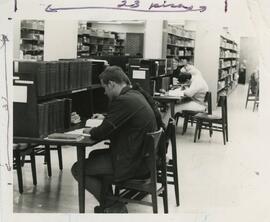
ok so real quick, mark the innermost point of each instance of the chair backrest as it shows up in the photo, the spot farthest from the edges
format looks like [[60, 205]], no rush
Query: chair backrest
[[153, 142], [223, 104], [170, 133], [208, 100]]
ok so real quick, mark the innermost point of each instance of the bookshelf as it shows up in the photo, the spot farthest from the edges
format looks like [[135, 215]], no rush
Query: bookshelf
[[96, 42], [179, 43], [120, 41], [228, 66], [50, 91], [32, 39]]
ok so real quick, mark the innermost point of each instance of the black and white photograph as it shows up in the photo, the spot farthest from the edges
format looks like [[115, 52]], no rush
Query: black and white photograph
[[131, 112]]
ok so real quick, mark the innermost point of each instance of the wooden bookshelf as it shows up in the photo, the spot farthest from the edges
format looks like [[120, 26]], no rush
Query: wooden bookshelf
[[120, 43], [32, 39], [94, 42], [228, 66], [53, 91], [179, 43]]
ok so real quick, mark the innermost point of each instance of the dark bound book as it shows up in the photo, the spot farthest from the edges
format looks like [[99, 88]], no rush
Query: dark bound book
[[67, 110]]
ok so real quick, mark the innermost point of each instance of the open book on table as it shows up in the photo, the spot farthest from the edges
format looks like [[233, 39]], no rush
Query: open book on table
[[65, 137]]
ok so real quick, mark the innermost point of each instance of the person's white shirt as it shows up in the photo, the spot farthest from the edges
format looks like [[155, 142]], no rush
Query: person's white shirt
[[198, 86]]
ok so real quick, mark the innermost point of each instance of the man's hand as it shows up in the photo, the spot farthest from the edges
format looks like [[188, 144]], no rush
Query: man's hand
[[87, 130], [97, 116]]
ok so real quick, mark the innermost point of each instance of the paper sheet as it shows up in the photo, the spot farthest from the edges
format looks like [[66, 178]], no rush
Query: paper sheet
[[176, 92], [138, 74], [20, 94], [93, 122], [78, 131]]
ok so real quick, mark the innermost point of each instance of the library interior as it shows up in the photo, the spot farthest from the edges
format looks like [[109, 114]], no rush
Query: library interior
[[83, 87]]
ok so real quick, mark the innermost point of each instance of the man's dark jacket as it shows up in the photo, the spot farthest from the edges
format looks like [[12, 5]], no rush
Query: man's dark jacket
[[129, 118]]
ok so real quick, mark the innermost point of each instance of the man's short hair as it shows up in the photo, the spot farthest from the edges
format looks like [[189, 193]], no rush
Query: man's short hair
[[115, 74], [183, 77]]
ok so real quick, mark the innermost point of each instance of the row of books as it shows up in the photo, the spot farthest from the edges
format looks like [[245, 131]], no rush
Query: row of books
[[228, 54], [228, 45], [181, 32], [56, 77], [32, 24], [180, 42], [54, 116], [225, 64], [32, 36], [177, 52]]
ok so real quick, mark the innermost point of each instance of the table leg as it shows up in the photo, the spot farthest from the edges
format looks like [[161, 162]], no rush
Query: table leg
[[81, 177], [172, 104], [48, 159]]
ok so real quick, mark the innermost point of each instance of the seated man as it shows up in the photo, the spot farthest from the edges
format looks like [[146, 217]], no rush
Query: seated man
[[195, 93], [129, 118], [178, 75]]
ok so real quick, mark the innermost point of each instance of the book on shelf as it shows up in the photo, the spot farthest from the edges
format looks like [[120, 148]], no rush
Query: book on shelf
[[65, 137]]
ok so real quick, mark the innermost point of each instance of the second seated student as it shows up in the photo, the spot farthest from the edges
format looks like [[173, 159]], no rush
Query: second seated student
[[178, 74], [130, 116], [194, 94]]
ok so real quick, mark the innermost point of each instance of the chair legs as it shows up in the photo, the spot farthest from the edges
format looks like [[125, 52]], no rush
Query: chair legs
[[185, 124], [224, 134], [33, 167], [227, 136], [59, 150], [19, 171], [48, 159], [247, 95], [165, 191], [175, 177], [155, 204], [199, 132], [196, 131], [18, 162]]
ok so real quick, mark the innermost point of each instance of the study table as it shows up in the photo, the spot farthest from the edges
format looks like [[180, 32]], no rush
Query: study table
[[168, 99], [80, 147]]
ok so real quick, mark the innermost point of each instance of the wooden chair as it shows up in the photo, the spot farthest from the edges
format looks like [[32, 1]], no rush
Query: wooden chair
[[252, 93], [134, 190], [212, 122], [256, 99], [172, 170], [19, 152], [188, 115]]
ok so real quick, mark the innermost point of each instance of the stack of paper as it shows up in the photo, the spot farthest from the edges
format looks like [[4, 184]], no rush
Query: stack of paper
[[176, 92]]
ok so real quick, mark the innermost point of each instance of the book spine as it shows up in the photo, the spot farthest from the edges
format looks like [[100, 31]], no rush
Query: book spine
[[48, 78], [61, 115], [89, 72], [42, 74], [46, 119], [41, 123], [67, 110]]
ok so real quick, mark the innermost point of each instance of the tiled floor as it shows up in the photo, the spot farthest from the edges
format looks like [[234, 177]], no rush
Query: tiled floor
[[213, 177]]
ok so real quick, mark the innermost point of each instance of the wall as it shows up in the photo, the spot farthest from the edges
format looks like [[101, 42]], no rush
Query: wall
[[16, 38], [249, 51], [60, 39], [153, 39]]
